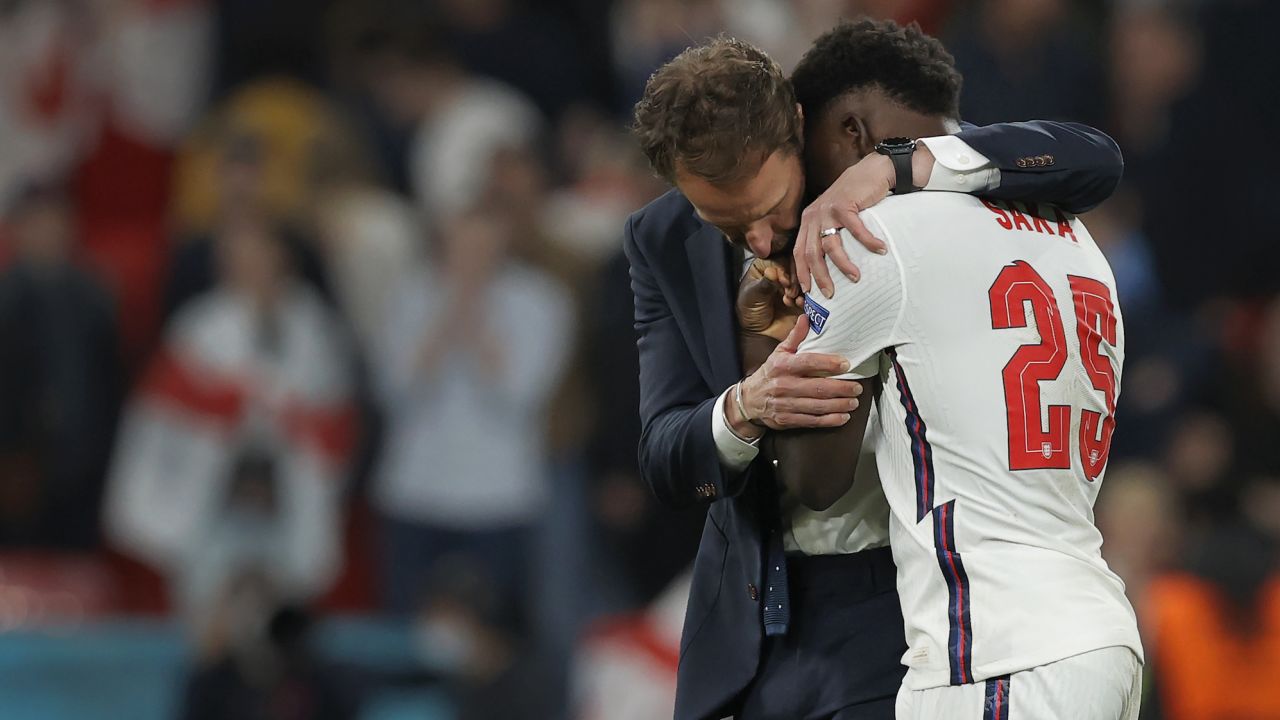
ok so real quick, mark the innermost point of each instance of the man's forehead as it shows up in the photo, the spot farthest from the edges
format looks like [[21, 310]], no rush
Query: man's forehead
[[751, 198], [741, 208]]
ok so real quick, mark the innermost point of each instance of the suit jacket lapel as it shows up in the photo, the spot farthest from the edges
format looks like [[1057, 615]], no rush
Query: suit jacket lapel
[[710, 267]]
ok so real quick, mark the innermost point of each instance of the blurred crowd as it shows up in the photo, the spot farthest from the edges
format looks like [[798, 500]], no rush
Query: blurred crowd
[[312, 307]]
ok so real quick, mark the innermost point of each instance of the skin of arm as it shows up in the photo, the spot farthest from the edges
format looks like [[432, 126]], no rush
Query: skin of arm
[[818, 464]]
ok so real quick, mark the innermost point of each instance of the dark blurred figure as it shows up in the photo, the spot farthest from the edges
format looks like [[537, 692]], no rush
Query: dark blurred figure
[[647, 33], [1163, 349], [1234, 99], [464, 637], [1253, 377], [1155, 59], [60, 380], [526, 48], [1215, 629], [255, 38], [1024, 59], [241, 179], [460, 121], [1199, 459], [647, 544], [263, 667]]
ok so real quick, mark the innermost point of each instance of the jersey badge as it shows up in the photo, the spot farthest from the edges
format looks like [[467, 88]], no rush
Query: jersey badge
[[817, 314]]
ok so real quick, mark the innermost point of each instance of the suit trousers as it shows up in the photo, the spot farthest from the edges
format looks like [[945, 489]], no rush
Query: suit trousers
[[841, 657]]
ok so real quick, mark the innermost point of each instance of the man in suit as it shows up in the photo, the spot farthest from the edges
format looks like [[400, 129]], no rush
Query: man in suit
[[777, 583]]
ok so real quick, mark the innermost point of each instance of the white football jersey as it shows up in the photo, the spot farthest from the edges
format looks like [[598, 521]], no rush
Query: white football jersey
[[998, 339]]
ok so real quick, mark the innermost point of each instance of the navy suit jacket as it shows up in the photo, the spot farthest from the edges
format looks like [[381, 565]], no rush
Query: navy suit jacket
[[682, 279]]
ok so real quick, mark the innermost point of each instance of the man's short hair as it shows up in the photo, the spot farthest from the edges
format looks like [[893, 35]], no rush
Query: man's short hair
[[716, 111], [909, 66]]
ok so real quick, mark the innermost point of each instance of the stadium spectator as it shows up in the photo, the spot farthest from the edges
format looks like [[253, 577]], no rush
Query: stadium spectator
[[471, 353], [367, 238], [60, 378], [642, 545], [261, 665], [1023, 59], [1181, 173], [460, 121], [1155, 61], [238, 436], [528, 48], [647, 33], [605, 178], [464, 636], [1215, 631], [268, 150]]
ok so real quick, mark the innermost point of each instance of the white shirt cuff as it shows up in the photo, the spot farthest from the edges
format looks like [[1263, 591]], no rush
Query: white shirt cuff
[[958, 167], [735, 453]]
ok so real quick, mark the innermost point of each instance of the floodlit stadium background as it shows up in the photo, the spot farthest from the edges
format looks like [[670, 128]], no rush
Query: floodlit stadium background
[[409, 490]]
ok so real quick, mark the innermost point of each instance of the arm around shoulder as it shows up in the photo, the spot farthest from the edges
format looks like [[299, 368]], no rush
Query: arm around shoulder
[[1071, 165]]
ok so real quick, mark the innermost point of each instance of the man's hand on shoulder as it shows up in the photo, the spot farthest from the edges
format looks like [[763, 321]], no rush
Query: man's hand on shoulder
[[858, 188]]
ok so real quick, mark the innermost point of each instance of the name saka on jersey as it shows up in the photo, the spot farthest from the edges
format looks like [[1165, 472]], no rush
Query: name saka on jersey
[[1000, 346]]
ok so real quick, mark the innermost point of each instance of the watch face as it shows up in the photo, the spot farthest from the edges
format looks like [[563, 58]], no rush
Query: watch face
[[898, 144]]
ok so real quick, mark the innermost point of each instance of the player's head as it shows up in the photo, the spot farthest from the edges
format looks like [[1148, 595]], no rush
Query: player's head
[[869, 80], [720, 123]]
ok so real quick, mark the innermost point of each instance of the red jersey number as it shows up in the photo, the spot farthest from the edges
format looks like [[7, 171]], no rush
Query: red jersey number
[[1035, 444]]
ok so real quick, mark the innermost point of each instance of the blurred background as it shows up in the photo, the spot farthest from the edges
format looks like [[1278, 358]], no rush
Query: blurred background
[[317, 376]]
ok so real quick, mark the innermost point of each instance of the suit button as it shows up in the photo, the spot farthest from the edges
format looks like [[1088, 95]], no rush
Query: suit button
[[752, 591], [1022, 162]]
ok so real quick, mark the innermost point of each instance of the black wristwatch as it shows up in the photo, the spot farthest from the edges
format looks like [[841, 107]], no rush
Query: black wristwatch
[[900, 150]]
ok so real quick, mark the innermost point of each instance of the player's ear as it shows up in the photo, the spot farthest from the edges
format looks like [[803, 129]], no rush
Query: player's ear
[[855, 138]]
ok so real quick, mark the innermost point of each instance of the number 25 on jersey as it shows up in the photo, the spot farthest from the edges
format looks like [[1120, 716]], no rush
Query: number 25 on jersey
[[1032, 444]]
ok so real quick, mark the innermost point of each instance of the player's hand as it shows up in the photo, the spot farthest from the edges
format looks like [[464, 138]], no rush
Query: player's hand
[[858, 188], [761, 305], [795, 390]]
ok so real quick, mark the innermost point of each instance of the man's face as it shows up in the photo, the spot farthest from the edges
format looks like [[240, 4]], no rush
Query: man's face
[[760, 212]]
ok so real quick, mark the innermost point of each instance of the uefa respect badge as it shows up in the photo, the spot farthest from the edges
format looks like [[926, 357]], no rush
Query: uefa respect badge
[[817, 314]]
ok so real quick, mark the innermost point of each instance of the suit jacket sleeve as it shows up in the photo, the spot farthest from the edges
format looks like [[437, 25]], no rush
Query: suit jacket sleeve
[[1086, 168], [677, 452]]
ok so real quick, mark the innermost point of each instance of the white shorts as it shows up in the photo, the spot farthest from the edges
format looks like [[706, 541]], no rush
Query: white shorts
[[1102, 684]]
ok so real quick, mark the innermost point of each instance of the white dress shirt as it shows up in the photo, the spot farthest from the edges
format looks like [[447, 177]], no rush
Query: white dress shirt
[[859, 520]]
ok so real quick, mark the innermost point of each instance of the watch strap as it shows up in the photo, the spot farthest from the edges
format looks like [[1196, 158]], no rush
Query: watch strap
[[905, 182]]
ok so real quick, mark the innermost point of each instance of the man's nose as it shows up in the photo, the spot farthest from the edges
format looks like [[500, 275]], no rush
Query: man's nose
[[760, 240]]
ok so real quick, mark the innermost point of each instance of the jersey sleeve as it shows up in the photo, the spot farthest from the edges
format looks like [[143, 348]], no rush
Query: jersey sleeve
[[861, 318]]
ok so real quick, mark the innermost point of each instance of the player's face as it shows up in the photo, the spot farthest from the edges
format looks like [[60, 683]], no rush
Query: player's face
[[849, 128], [760, 212]]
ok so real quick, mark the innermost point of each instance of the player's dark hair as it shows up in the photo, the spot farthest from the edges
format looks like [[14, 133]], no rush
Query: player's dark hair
[[909, 66], [716, 111]]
